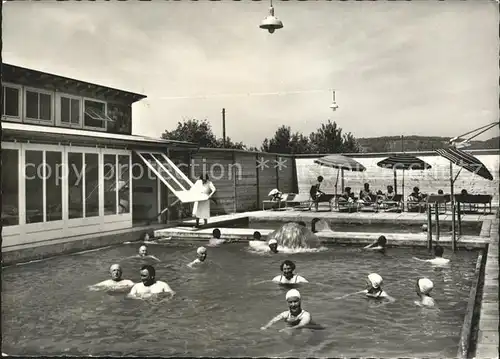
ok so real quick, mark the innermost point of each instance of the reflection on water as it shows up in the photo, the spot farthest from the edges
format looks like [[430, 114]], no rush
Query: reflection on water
[[47, 309]]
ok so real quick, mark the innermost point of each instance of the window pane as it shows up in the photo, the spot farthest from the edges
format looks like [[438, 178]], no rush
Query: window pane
[[10, 184], [109, 184], [75, 111], [34, 186], [11, 102], [91, 184], [65, 110], [45, 107], [123, 184], [53, 185], [99, 107], [75, 185], [32, 104]]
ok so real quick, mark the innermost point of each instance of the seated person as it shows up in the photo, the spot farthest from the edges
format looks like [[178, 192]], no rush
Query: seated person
[[347, 195], [275, 195], [378, 245], [287, 268], [380, 196], [149, 285], [438, 259], [415, 200], [316, 192], [423, 288], [366, 195], [389, 195], [440, 191], [116, 282]]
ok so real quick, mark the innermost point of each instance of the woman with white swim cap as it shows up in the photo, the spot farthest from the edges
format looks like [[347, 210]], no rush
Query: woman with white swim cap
[[202, 255], [424, 287], [375, 287], [273, 245], [295, 317]]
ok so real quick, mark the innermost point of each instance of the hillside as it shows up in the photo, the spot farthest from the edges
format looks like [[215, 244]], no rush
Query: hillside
[[416, 143]]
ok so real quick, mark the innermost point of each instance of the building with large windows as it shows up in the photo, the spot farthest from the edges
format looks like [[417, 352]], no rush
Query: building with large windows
[[70, 164]]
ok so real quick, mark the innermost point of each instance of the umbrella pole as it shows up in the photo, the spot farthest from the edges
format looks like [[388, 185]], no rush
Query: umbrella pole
[[342, 180], [395, 182], [403, 192], [453, 234]]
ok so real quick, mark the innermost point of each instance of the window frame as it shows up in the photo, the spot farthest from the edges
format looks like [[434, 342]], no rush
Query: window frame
[[103, 129], [59, 123], [19, 88], [25, 105]]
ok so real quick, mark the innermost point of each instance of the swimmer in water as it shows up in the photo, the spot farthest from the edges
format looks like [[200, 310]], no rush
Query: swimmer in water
[[423, 288], [143, 253], [273, 245], [216, 240], [257, 236], [202, 255], [438, 259], [295, 317], [116, 282], [149, 285], [375, 288], [378, 245], [287, 268]]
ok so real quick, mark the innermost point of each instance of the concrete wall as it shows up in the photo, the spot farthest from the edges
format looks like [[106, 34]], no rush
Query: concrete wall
[[429, 181]]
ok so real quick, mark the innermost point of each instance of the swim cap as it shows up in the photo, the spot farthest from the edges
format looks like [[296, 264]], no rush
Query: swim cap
[[201, 250], [273, 241], [375, 280], [425, 285], [143, 247], [292, 293]]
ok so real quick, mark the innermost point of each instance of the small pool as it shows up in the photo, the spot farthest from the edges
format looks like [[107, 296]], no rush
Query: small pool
[[218, 310], [469, 228]]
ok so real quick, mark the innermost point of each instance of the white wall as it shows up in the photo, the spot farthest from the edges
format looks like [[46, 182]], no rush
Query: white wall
[[428, 181]]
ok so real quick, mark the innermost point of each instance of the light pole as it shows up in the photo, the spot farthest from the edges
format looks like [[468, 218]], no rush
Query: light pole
[[334, 105]]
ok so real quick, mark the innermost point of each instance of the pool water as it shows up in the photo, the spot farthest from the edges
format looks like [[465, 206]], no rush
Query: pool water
[[219, 309], [468, 229]]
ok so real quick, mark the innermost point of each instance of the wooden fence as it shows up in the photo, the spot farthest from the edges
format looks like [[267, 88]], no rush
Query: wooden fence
[[243, 179]]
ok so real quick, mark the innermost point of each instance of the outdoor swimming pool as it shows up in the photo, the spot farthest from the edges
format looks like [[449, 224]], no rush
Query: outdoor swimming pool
[[218, 310], [469, 228]]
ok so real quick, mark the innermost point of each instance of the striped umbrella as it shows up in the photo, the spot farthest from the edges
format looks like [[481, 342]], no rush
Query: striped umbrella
[[403, 162], [342, 163], [465, 160]]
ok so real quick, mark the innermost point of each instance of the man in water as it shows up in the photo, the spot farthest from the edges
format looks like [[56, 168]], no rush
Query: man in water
[[116, 282], [295, 317], [287, 268], [438, 259], [143, 253], [149, 285], [202, 255], [257, 236], [423, 288], [273, 245], [216, 240]]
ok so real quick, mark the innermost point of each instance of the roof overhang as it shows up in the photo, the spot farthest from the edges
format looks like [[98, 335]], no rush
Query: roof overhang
[[58, 135], [25, 76]]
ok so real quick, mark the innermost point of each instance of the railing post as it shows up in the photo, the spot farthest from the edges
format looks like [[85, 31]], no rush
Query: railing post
[[436, 209], [429, 228], [459, 217], [453, 234]]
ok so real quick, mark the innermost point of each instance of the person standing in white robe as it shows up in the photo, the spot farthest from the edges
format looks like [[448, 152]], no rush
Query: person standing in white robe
[[201, 209]]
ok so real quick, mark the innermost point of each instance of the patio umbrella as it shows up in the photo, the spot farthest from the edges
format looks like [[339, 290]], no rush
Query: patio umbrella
[[471, 164], [403, 162], [342, 163]]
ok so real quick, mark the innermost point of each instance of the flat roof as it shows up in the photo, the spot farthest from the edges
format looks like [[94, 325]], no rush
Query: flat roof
[[12, 130], [11, 73]]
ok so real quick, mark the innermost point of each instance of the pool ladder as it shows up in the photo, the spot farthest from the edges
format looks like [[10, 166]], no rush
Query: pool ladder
[[455, 208]]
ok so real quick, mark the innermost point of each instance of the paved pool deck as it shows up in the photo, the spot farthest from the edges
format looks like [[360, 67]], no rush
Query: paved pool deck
[[488, 342]]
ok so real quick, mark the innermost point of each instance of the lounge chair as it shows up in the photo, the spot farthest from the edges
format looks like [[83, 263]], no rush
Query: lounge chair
[[344, 205], [470, 202], [277, 203], [440, 200]]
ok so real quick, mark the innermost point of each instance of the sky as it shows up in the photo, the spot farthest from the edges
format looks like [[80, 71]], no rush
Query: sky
[[398, 68]]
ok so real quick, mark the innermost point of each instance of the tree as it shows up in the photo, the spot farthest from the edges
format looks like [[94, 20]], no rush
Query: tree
[[286, 142], [329, 139], [199, 132]]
